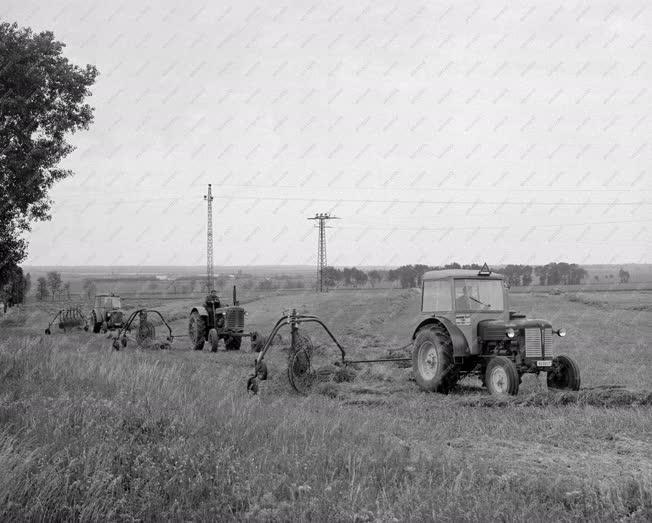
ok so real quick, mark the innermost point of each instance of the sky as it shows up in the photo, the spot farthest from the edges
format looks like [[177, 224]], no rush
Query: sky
[[515, 132]]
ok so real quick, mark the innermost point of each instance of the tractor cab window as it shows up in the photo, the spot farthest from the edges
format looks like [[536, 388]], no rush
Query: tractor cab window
[[110, 302], [436, 296], [478, 295]]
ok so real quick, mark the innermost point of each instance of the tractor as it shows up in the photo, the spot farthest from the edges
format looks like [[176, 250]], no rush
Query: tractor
[[466, 328], [107, 313], [214, 321]]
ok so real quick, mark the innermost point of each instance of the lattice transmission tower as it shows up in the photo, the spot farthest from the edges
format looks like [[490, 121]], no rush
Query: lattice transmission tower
[[321, 246], [209, 240]]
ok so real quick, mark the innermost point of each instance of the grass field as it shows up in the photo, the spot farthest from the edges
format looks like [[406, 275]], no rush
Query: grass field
[[89, 433]]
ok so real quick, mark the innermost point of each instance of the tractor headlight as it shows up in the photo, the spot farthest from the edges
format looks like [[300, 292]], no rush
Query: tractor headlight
[[561, 332], [510, 332]]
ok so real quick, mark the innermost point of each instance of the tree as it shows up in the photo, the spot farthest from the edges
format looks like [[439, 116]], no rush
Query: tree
[[331, 276], [359, 277], [623, 275], [518, 275], [41, 288], [374, 277], [89, 288], [561, 273], [54, 282], [66, 289], [13, 291], [41, 101]]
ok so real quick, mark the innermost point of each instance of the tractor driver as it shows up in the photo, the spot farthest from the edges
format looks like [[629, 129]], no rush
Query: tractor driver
[[213, 298], [462, 301]]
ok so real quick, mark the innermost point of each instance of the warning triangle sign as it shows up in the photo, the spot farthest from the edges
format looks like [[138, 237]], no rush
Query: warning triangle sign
[[485, 271]]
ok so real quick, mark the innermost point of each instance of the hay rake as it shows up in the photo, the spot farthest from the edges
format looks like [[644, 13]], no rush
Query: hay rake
[[69, 319], [301, 373], [145, 332]]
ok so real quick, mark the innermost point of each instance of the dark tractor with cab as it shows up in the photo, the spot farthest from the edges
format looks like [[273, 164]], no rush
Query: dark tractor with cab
[[107, 313], [467, 328], [214, 321]]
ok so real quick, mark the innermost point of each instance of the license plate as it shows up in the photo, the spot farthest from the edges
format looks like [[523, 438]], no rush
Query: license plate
[[544, 363]]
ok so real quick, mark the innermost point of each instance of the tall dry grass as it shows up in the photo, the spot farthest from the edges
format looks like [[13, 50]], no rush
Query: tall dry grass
[[87, 433]]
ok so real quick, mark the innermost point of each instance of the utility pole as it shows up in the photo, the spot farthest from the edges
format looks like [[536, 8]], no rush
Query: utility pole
[[209, 240], [321, 247]]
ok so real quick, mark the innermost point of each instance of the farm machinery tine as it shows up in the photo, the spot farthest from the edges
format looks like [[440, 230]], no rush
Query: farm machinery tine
[[300, 373], [47, 330]]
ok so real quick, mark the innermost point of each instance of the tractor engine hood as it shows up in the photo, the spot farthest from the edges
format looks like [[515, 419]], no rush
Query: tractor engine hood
[[115, 315], [496, 329]]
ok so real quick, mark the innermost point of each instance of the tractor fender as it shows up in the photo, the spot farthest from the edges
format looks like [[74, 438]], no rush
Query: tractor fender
[[460, 345], [201, 310]]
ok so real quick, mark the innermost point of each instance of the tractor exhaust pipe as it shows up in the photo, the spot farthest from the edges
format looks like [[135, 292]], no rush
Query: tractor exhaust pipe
[[235, 298]]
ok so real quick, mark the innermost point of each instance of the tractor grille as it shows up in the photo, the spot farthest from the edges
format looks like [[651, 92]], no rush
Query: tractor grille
[[547, 342], [533, 343], [234, 318]]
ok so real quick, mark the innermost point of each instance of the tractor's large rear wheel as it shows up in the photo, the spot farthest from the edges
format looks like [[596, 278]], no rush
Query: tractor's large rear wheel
[[501, 376], [564, 374], [432, 360], [233, 342], [197, 330]]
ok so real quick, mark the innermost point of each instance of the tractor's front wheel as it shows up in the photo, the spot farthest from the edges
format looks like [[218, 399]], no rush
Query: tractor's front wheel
[[501, 376], [564, 374], [197, 330], [233, 342], [432, 360]]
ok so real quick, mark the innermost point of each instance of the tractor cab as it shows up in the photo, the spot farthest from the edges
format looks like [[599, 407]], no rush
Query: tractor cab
[[462, 299], [107, 302]]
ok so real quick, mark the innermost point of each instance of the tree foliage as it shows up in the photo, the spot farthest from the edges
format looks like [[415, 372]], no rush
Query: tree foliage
[[42, 100], [561, 273], [54, 282], [518, 275], [41, 288], [89, 288], [16, 286]]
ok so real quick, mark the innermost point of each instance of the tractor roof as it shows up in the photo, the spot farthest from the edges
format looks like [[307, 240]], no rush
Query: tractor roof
[[460, 273]]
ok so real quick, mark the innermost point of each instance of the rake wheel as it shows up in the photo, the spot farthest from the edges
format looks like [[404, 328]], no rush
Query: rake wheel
[[301, 375], [146, 333]]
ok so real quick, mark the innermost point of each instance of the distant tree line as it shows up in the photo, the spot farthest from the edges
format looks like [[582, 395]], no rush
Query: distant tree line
[[410, 276], [560, 274], [52, 285]]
